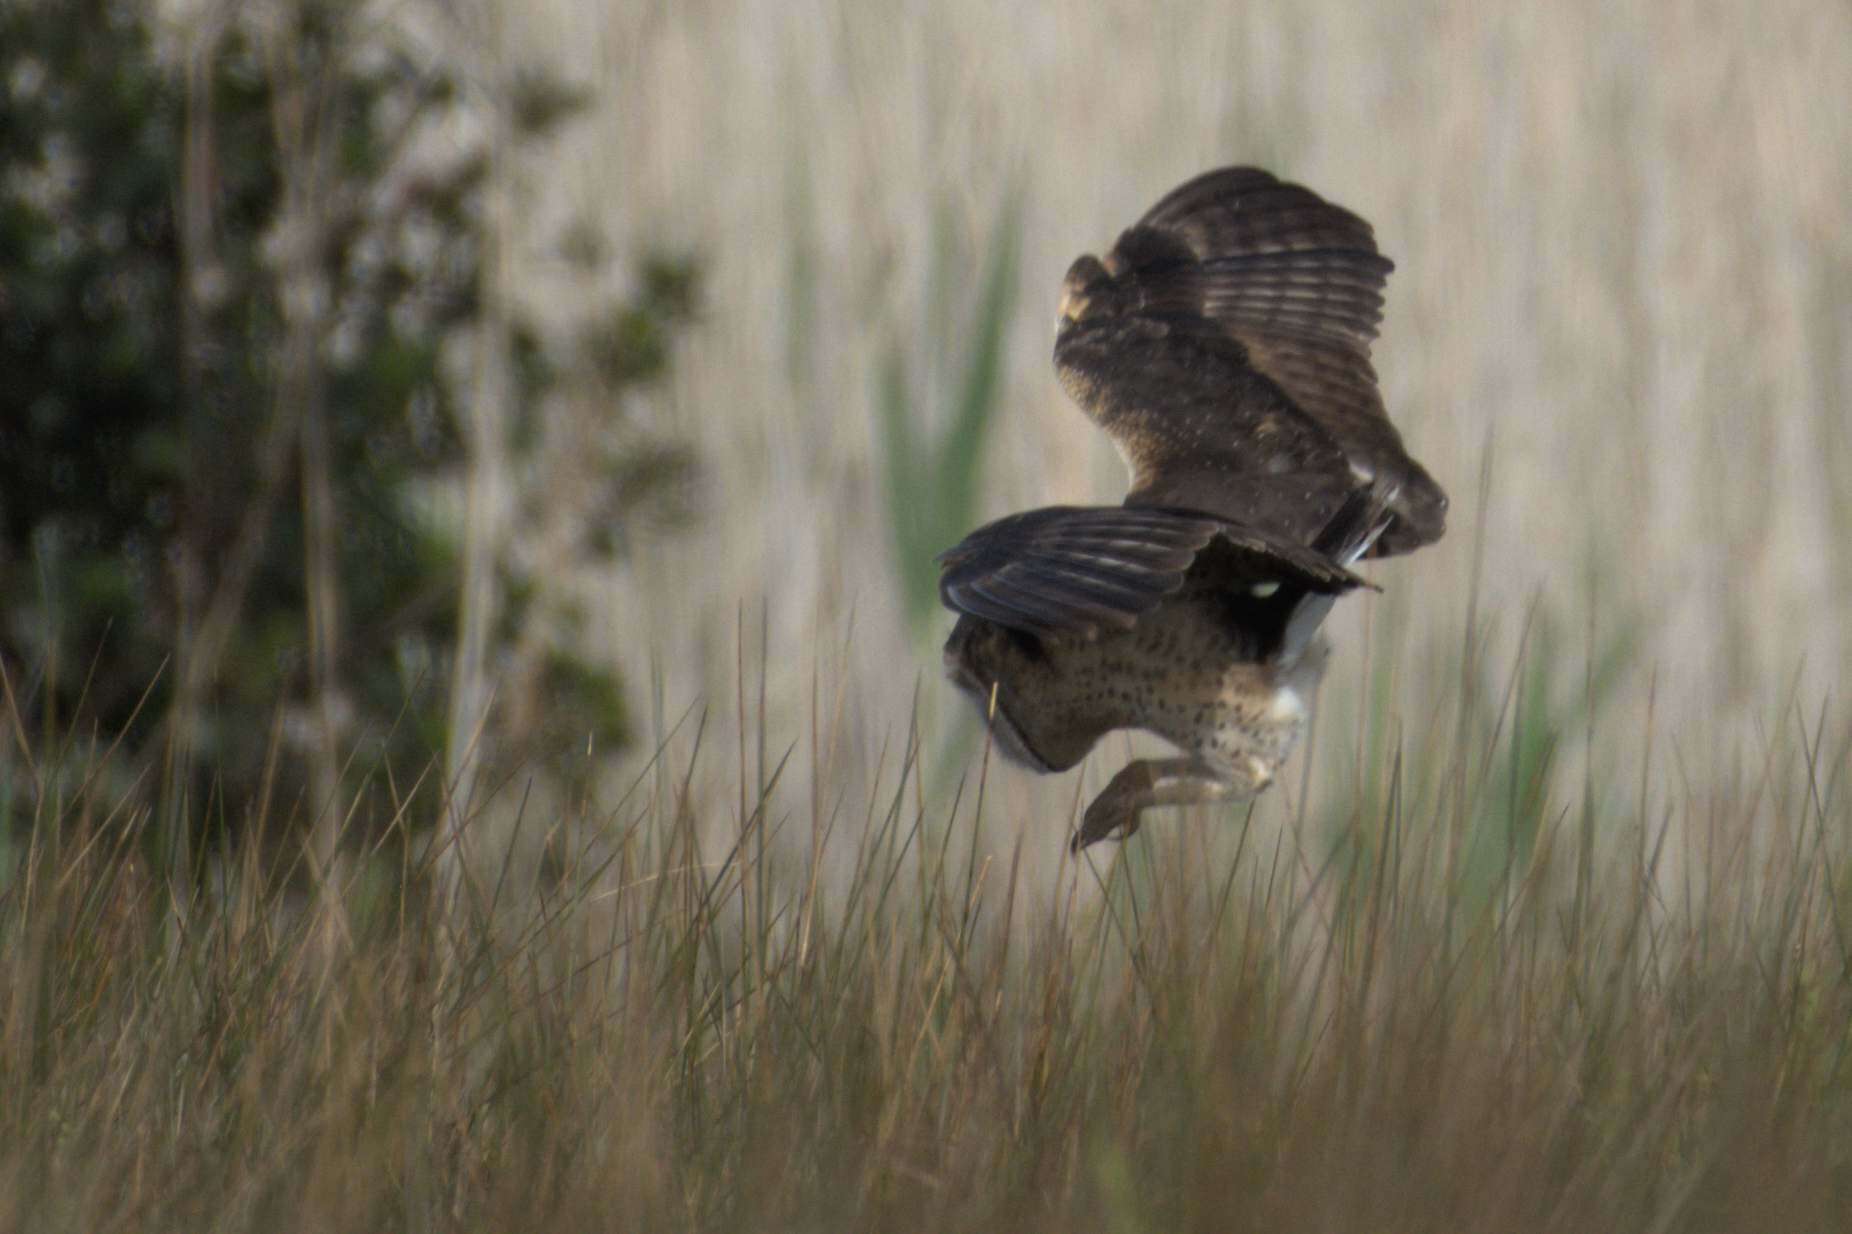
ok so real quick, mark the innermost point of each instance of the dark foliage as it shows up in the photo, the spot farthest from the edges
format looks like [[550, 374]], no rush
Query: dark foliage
[[144, 234]]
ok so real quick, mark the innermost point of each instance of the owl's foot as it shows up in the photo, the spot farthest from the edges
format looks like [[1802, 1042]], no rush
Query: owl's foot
[[1115, 811], [1150, 782]]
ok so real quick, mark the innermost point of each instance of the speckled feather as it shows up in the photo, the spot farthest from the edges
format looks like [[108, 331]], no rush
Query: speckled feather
[[1223, 344], [1200, 670]]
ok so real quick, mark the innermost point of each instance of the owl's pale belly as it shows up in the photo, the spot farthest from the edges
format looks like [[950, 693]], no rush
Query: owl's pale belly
[[1187, 675]]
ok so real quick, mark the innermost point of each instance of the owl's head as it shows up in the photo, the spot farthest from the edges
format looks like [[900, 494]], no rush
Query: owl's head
[[1031, 725]]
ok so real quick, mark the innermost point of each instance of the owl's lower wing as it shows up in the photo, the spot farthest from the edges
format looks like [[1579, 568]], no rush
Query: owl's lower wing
[[1085, 570], [1072, 569]]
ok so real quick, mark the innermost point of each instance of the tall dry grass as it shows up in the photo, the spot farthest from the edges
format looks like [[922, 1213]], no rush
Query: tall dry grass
[[1406, 1023], [1549, 931]]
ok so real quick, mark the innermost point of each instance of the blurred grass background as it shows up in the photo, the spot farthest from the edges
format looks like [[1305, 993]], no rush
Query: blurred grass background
[[1545, 930], [1618, 330]]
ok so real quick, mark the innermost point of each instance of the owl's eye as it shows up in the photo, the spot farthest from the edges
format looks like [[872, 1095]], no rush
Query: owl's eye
[[1029, 645]]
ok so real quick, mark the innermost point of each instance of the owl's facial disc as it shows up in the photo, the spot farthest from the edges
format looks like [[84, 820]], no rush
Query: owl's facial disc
[[963, 667]]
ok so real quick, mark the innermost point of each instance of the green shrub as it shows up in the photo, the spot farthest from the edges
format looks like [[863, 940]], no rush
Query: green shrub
[[225, 298]]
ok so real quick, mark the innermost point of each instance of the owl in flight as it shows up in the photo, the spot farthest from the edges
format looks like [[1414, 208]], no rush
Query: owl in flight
[[1224, 346]]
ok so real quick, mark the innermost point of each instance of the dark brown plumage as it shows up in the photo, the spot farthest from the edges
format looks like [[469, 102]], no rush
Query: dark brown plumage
[[1223, 345]]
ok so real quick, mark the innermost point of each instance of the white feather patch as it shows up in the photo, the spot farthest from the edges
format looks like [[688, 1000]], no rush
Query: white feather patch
[[1286, 705]]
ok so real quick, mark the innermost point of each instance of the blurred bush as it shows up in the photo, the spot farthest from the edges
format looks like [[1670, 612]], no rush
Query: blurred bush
[[172, 225]]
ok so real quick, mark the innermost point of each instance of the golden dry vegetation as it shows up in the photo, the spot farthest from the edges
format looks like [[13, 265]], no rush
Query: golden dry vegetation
[[1549, 930]]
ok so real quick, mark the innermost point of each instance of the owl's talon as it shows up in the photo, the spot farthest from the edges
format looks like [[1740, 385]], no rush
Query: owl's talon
[[1110, 824], [1114, 813]]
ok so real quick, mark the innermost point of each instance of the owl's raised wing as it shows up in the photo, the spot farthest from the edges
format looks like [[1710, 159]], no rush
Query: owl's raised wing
[[1224, 345]]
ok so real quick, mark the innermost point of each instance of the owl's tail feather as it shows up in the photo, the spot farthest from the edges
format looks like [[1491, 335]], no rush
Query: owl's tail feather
[[1352, 531]]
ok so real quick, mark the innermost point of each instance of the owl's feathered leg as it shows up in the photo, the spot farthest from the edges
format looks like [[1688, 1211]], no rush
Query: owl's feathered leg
[[1149, 782]]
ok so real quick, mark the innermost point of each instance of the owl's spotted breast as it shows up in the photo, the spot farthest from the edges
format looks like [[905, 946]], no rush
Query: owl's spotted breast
[[1193, 672], [1208, 669]]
